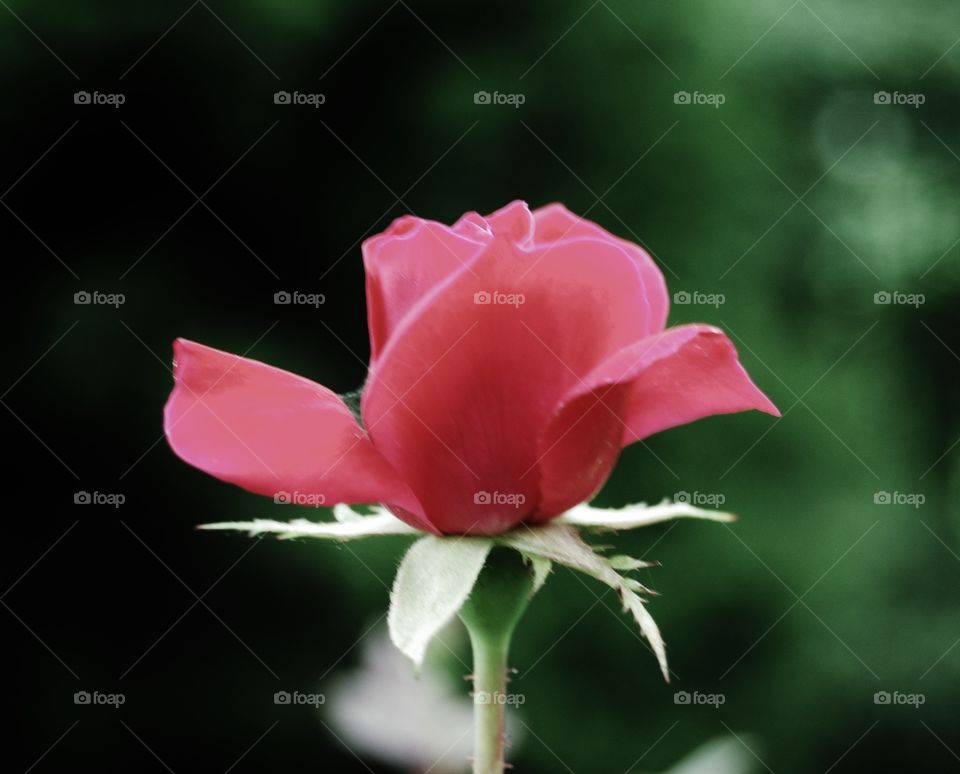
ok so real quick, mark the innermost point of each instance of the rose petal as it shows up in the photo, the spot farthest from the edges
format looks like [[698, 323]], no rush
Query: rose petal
[[675, 377], [272, 431], [684, 374], [473, 226], [515, 221], [460, 397], [403, 264], [580, 448], [555, 222]]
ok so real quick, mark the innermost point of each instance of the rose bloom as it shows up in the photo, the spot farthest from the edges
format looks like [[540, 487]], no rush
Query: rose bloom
[[512, 357]]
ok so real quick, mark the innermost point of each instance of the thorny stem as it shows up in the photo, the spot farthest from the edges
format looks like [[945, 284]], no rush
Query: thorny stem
[[490, 615]]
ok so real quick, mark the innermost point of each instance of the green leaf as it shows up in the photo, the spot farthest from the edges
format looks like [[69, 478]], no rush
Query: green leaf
[[562, 544], [541, 570], [627, 563], [345, 513], [434, 580], [639, 515], [349, 526]]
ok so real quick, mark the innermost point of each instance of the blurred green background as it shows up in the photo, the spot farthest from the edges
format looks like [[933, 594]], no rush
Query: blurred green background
[[784, 162]]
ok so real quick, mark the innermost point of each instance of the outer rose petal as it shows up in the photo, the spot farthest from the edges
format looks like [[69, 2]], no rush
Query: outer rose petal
[[687, 373], [464, 390], [271, 431], [675, 377], [556, 223], [404, 263], [579, 449]]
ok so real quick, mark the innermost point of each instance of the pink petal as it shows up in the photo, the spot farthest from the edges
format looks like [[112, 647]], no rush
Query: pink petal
[[473, 226], [272, 431], [580, 448], [463, 391], [555, 222], [515, 221], [669, 379], [686, 373], [403, 264]]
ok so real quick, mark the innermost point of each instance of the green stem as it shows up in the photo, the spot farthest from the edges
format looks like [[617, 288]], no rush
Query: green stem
[[489, 684], [490, 615]]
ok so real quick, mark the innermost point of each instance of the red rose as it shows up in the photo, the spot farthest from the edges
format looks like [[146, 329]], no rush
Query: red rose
[[512, 357]]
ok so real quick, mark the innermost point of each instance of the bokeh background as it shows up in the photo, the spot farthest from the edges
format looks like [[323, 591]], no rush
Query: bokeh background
[[781, 197]]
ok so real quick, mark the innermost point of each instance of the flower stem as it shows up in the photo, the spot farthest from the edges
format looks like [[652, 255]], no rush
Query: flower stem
[[490, 615]]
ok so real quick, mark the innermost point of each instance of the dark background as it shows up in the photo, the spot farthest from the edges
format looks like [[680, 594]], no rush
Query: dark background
[[817, 599]]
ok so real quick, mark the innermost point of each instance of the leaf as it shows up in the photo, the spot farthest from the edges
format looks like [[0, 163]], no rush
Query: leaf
[[639, 515], [344, 513], [562, 544], [637, 586], [541, 570], [633, 604], [435, 578], [627, 563], [349, 526]]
